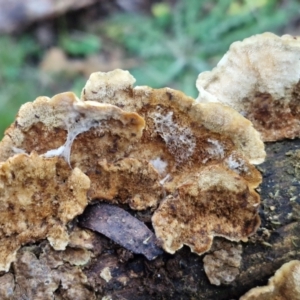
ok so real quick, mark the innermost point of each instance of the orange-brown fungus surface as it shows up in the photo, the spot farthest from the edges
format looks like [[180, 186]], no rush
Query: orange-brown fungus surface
[[84, 133], [260, 78], [184, 141], [214, 202], [146, 148], [64, 125], [128, 180], [38, 196]]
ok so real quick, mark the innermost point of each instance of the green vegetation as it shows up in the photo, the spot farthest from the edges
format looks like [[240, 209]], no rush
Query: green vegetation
[[22, 81], [79, 44], [171, 47], [177, 44], [19, 83]]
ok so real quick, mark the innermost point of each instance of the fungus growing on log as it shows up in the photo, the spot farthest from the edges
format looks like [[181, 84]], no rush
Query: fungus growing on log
[[174, 119], [144, 148], [222, 263], [284, 285], [38, 197], [214, 202], [88, 135], [54, 127], [201, 151], [260, 78]]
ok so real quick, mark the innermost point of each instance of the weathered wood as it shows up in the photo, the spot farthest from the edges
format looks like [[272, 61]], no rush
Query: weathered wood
[[277, 241], [115, 273]]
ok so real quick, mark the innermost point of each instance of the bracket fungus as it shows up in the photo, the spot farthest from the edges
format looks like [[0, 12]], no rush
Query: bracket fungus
[[38, 197], [284, 285], [215, 202], [53, 126], [260, 78], [88, 135], [142, 147], [191, 145], [222, 263]]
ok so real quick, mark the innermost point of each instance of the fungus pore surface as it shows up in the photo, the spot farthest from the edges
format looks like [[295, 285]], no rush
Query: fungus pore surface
[[260, 78], [91, 136], [146, 148], [201, 151]]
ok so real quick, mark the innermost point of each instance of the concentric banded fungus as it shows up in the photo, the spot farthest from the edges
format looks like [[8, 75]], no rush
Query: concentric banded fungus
[[129, 181], [84, 133], [38, 197], [284, 285], [63, 122], [197, 154], [215, 202], [260, 78], [188, 143]]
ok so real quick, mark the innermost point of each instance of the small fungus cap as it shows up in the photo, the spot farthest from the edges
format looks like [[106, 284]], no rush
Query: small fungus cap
[[53, 124], [38, 196], [222, 263], [107, 85], [260, 78], [215, 202], [86, 134]]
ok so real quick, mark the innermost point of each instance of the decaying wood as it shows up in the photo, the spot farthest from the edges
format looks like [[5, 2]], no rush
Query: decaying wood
[[113, 272]]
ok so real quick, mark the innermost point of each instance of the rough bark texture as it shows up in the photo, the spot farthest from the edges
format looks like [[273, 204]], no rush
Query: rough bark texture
[[105, 270]]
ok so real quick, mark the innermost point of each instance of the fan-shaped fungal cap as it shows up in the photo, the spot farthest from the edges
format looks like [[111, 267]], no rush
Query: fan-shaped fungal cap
[[167, 111], [187, 143], [284, 285], [38, 196], [260, 78], [214, 202], [82, 133], [51, 127], [188, 151]]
